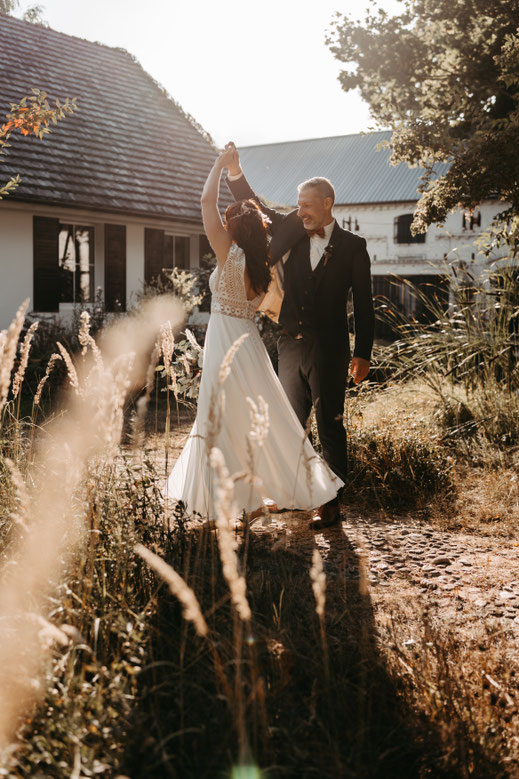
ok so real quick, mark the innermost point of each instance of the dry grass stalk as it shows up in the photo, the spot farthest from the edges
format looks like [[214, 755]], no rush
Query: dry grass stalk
[[86, 340], [260, 422], [226, 513], [56, 526], [24, 359], [50, 365], [167, 343], [225, 367], [318, 578], [71, 369], [143, 401], [21, 515], [190, 606], [192, 340], [8, 348]]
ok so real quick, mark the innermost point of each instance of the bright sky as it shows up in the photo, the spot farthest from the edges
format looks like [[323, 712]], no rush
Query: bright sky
[[254, 72]]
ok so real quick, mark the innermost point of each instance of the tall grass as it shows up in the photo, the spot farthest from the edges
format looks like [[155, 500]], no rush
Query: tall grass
[[468, 354], [257, 656]]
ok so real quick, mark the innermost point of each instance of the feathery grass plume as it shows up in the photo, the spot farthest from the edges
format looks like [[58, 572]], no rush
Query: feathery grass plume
[[190, 606], [86, 340], [21, 514], [192, 340], [226, 513], [71, 441], [214, 418], [225, 367], [318, 578], [50, 365], [24, 359], [167, 343], [49, 634], [8, 347], [71, 369], [259, 418]]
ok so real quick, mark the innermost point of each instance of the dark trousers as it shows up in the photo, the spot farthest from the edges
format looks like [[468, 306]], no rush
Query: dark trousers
[[315, 373]]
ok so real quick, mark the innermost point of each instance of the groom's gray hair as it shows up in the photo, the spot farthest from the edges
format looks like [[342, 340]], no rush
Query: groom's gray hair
[[322, 185]]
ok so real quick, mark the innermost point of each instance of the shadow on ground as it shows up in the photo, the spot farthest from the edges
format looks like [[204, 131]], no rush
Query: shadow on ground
[[312, 705]]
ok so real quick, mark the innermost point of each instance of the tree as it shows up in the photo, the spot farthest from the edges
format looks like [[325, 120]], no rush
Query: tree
[[32, 115], [444, 77], [33, 13]]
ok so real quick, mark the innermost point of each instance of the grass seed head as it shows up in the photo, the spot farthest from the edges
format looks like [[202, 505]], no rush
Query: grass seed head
[[178, 587]]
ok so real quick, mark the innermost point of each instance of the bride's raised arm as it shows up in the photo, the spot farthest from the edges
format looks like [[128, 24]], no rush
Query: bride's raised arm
[[217, 235]]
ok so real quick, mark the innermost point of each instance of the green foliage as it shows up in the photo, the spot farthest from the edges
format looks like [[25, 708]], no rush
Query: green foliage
[[32, 115], [34, 15], [444, 76], [472, 342], [8, 6]]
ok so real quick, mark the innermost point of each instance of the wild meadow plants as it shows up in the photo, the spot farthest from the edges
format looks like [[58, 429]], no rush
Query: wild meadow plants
[[137, 641]]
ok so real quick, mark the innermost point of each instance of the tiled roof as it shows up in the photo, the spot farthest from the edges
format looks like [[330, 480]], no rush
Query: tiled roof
[[358, 172], [129, 148]]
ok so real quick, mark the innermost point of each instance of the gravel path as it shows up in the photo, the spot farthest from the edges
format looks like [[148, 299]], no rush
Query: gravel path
[[466, 577]]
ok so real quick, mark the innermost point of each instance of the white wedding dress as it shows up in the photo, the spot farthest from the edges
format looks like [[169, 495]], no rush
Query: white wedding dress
[[289, 471]]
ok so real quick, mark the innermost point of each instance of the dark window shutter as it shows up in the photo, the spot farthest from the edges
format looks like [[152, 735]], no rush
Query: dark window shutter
[[153, 253], [45, 263], [403, 232], [115, 267]]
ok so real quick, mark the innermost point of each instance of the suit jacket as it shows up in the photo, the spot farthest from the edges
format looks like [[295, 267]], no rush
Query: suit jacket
[[344, 266]]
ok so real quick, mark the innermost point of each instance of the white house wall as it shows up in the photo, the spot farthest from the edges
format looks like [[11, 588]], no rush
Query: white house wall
[[16, 262], [447, 243], [16, 251], [134, 260]]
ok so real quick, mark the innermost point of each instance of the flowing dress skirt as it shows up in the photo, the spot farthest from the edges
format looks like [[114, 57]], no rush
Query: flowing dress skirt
[[289, 470]]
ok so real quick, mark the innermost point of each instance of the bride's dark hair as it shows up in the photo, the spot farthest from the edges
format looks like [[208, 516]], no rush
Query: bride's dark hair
[[248, 228]]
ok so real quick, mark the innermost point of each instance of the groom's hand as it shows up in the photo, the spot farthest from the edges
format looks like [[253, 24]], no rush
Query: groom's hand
[[359, 369], [233, 164]]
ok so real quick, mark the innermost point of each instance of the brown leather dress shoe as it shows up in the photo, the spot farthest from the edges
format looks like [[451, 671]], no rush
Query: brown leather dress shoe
[[325, 516]]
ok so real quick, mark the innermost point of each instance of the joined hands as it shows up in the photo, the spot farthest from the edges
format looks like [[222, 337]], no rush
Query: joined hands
[[230, 159]]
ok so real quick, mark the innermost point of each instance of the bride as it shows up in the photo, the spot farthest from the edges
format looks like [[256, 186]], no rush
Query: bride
[[285, 466]]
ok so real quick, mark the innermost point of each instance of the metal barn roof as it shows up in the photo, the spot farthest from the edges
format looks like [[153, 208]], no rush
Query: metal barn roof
[[359, 173]]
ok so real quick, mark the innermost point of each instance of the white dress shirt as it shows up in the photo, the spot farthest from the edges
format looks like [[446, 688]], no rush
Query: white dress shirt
[[318, 244]]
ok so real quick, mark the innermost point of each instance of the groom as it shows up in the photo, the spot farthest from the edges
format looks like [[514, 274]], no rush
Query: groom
[[320, 264]]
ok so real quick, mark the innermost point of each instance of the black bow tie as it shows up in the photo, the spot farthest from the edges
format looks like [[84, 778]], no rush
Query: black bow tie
[[319, 232]]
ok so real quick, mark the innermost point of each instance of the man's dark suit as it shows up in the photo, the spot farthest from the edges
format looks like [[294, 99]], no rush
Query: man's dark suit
[[313, 368]]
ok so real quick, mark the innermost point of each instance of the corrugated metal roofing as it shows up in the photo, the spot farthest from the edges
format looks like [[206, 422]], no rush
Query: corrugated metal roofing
[[129, 148], [358, 172]]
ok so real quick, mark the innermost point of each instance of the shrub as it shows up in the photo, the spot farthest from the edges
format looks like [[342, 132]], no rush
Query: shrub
[[396, 468]]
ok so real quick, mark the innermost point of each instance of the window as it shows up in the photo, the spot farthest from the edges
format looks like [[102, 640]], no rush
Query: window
[[415, 297], [402, 229], [351, 224], [470, 219], [176, 251], [76, 263]]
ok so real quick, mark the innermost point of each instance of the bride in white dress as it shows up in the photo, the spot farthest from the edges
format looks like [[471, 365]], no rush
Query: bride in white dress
[[286, 468]]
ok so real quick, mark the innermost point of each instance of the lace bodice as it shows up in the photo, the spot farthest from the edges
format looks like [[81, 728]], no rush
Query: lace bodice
[[229, 295]]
